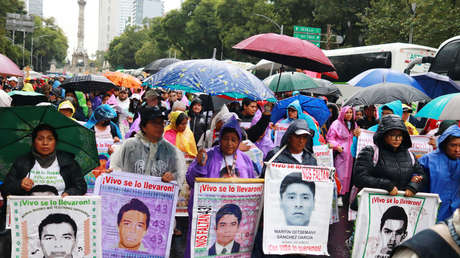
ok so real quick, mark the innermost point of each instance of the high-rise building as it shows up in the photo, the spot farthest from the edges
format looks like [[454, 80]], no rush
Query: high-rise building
[[34, 7], [126, 7], [109, 22], [146, 9]]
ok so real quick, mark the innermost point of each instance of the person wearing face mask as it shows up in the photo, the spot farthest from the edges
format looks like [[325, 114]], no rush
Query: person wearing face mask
[[100, 122]]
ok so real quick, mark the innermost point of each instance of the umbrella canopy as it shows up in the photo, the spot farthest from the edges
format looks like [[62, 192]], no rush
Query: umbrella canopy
[[325, 88], [290, 81], [382, 75], [123, 79], [9, 68], [5, 99], [315, 107], [265, 65], [442, 108], [16, 129], [157, 65], [87, 83], [286, 50], [435, 84], [211, 77], [386, 92], [26, 98]]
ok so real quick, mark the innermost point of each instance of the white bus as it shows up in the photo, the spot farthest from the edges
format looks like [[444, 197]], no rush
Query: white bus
[[350, 62]]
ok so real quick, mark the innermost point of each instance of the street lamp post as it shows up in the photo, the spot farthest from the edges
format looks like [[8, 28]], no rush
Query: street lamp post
[[280, 27], [411, 32]]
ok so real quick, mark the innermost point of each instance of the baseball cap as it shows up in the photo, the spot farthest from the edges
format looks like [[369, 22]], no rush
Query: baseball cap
[[302, 131], [13, 78], [150, 113]]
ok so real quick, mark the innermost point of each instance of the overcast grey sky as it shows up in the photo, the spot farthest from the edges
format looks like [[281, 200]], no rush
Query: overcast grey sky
[[65, 13]]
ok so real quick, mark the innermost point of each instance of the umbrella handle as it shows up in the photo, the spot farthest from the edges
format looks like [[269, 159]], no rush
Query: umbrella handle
[[279, 78]]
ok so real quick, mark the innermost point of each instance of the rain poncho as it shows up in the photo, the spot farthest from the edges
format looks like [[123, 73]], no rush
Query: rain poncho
[[444, 175], [103, 112], [265, 143], [309, 119], [67, 104], [185, 140], [340, 135]]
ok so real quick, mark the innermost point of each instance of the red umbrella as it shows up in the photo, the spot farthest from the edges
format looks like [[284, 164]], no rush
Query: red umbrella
[[286, 50], [8, 67]]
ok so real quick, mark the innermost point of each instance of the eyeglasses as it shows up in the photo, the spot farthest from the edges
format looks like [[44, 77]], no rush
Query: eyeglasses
[[395, 137]]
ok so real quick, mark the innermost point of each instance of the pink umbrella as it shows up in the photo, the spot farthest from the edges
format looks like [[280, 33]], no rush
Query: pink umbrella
[[8, 67], [286, 50]]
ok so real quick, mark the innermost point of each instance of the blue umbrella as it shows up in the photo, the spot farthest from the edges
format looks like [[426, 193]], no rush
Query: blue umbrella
[[445, 107], [382, 75], [435, 84], [315, 107], [211, 77]]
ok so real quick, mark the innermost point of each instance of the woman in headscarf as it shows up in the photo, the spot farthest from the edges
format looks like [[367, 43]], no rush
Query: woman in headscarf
[[179, 134], [211, 137], [100, 122], [222, 161], [340, 138]]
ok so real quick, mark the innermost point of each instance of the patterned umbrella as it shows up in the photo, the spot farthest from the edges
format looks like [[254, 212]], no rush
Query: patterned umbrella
[[211, 77]]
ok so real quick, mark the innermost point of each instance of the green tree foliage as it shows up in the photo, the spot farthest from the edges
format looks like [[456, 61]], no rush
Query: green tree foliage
[[122, 49], [6, 46], [390, 21]]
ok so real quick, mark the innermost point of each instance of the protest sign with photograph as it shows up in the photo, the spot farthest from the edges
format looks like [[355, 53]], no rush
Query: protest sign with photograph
[[103, 145], [324, 155], [52, 226], [297, 219], [385, 221], [226, 214], [138, 214], [184, 195], [279, 133], [419, 147]]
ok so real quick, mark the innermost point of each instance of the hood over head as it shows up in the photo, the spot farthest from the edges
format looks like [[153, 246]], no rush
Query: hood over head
[[444, 125], [297, 125], [66, 104], [344, 110], [295, 104], [390, 122], [453, 130], [233, 124], [103, 111], [396, 106]]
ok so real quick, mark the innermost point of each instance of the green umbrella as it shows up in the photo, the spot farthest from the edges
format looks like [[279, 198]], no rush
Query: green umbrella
[[16, 135], [290, 81]]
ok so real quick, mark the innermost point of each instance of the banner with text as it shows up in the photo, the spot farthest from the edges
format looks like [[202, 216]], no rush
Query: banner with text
[[279, 133], [138, 214], [419, 147], [52, 226], [385, 221], [226, 214], [297, 219]]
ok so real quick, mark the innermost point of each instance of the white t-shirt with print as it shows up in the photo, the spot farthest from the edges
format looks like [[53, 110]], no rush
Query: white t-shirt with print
[[48, 176]]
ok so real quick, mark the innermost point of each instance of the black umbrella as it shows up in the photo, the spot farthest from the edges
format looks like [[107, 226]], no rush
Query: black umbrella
[[325, 88], [87, 83], [159, 64], [386, 92], [26, 98]]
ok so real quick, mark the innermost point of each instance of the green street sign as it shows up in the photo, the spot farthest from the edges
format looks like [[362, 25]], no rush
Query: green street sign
[[303, 29], [309, 37]]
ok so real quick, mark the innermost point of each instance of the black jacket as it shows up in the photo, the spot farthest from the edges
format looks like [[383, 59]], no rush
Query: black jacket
[[394, 167], [70, 171], [197, 121]]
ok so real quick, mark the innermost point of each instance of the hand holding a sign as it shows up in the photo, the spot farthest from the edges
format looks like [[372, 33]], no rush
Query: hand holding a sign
[[167, 177], [244, 146], [202, 157], [394, 191], [339, 149], [116, 139], [357, 132], [27, 184]]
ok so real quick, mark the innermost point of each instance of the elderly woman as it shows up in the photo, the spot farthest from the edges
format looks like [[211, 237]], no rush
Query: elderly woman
[[443, 168], [45, 165], [222, 161], [390, 166], [179, 134], [211, 137]]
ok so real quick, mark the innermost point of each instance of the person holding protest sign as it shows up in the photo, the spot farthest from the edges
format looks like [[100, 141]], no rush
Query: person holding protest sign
[[148, 153], [390, 166], [133, 222], [443, 168], [58, 235], [228, 219], [45, 165], [393, 229], [222, 161], [340, 138]]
